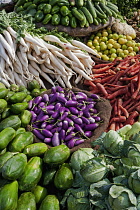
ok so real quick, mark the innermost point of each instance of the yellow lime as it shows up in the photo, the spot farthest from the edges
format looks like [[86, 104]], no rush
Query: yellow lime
[[89, 43], [116, 45], [130, 49], [113, 55], [136, 49], [128, 37], [111, 59], [105, 57], [122, 41], [109, 45], [126, 52], [99, 34], [106, 52], [131, 54], [105, 33], [119, 50], [121, 55], [111, 41], [115, 36], [124, 47], [97, 48], [112, 50]]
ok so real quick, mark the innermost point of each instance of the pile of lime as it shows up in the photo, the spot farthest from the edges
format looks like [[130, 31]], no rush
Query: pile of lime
[[110, 45]]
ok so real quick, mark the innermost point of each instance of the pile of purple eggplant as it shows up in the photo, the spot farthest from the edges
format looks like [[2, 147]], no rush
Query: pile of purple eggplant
[[64, 117]]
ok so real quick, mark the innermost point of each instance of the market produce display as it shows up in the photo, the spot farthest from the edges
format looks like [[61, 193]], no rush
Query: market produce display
[[34, 56], [68, 13], [119, 82], [111, 45], [69, 107]]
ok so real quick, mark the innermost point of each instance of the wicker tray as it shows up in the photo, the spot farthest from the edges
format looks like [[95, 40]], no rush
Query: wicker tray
[[104, 108]]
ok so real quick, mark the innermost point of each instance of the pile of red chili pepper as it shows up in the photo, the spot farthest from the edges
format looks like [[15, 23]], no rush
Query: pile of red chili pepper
[[119, 82]]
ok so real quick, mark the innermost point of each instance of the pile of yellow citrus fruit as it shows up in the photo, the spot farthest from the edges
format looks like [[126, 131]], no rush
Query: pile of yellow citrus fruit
[[110, 45]]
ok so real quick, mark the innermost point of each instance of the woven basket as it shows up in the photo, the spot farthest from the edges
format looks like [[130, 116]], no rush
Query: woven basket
[[104, 108]]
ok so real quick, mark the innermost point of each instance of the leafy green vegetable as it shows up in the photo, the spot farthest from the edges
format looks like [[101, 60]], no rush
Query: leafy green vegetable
[[99, 192], [121, 198], [113, 143], [94, 170], [81, 156], [134, 181], [76, 199]]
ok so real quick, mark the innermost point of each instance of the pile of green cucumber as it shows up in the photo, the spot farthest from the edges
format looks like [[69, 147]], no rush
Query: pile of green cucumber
[[71, 13], [31, 173]]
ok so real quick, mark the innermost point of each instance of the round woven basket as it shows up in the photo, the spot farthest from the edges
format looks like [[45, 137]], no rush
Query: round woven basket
[[104, 108]]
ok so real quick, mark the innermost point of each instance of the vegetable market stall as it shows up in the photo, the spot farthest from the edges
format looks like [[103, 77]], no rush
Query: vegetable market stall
[[51, 171]]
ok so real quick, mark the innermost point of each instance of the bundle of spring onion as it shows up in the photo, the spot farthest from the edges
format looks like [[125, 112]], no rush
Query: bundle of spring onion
[[31, 56]]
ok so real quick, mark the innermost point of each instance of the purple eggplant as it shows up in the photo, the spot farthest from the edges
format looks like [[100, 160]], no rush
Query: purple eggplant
[[46, 133], [97, 118], [55, 139], [76, 119], [73, 98], [57, 106], [41, 105], [53, 130], [80, 113], [40, 115], [43, 125], [89, 106], [54, 89], [61, 99], [63, 117], [91, 127], [73, 110], [79, 141], [62, 110], [44, 118], [62, 135], [65, 124], [45, 98], [94, 96], [55, 115], [70, 136], [30, 104], [59, 124], [49, 127], [85, 120], [91, 119], [70, 144], [71, 123], [71, 103], [93, 111], [50, 107], [79, 129], [37, 100], [47, 140], [34, 116], [53, 98], [38, 134], [81, 107], [86, 113], [50, 112], [81, 96], [88, 134], [70, 129], [59, 89]]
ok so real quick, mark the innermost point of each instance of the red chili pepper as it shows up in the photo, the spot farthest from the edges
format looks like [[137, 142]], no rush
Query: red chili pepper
[[117, 93], [131, 119], [102, 89]]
